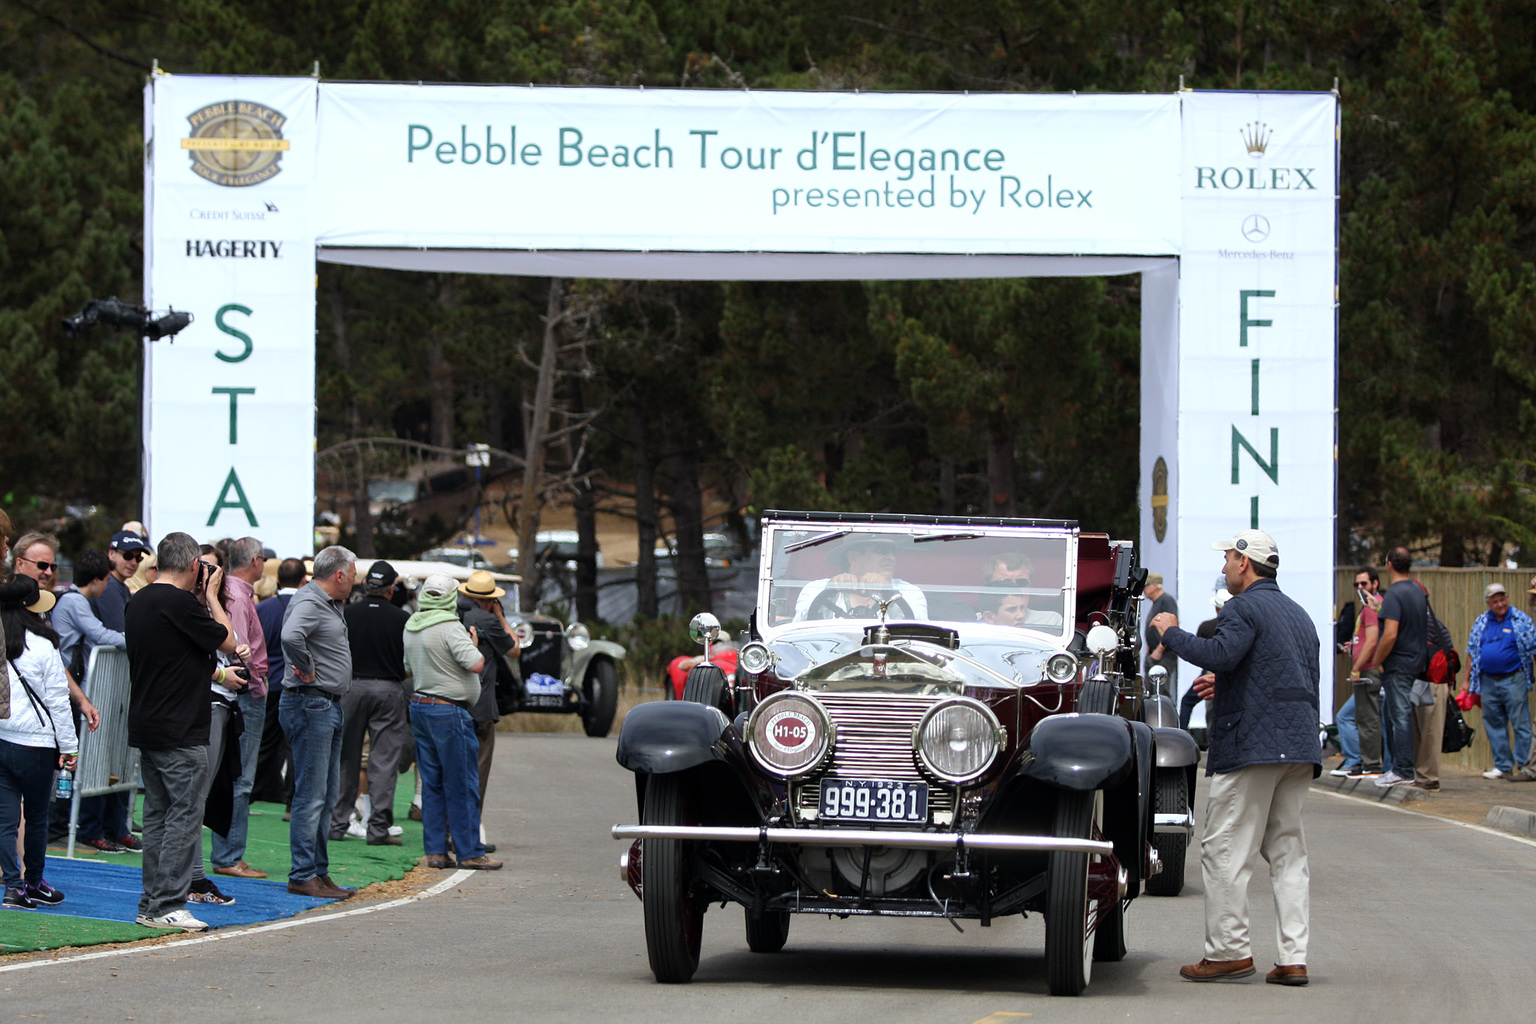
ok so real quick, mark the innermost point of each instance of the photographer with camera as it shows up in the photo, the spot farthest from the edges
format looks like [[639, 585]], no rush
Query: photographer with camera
[[174, 627]]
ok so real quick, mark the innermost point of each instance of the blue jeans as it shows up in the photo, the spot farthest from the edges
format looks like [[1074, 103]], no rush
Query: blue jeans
[[26, 785], [1349, 736], [313, 726], [230, 850], [1397, 722], [1506, 702], [103, 817], [448, 761]]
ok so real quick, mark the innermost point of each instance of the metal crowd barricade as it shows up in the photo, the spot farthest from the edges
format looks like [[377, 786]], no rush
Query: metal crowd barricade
[[107, 764]]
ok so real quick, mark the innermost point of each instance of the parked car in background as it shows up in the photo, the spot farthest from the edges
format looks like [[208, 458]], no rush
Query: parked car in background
[[561, 669], [558, 547], [932, 717], [720, 550], [469, 558]]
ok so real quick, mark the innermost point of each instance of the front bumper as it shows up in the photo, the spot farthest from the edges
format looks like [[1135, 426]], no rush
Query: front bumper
[[863, 837]]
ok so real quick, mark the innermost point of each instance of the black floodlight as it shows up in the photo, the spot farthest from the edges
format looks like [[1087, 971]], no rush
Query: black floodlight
[[114, 312]]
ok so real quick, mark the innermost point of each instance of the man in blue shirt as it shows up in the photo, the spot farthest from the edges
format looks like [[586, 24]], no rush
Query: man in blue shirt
[[1500, 648]]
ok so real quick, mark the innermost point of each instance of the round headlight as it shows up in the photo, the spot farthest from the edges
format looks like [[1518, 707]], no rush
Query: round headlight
[[524, 634], [959, 739], [578, 636], [789, 734], [1061, 668], [754, 658]]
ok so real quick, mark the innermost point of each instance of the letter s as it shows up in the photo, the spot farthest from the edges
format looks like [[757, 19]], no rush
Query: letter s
[[218, 319]]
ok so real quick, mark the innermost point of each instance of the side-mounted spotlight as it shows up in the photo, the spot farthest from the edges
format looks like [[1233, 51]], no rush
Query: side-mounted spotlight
[[114, 312]]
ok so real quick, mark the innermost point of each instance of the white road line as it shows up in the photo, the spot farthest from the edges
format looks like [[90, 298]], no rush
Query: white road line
[[1484, 829], [222, 934]]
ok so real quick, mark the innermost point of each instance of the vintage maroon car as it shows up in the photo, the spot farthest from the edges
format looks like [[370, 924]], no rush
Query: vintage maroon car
[[923, 723]]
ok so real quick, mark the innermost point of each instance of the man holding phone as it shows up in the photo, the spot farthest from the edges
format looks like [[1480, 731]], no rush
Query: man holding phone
[[1364, 676]]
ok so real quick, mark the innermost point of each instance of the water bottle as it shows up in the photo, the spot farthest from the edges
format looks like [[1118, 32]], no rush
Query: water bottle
[[65, 787]]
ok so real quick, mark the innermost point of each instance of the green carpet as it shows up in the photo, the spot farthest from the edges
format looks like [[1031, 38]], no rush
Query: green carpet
[[353, 863]]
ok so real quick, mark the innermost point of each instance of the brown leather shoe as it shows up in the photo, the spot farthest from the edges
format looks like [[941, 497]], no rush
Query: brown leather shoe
[[1218, 970], [481, 863], [342, 891], [313, 888], [240, 870], [1287, 974], [439, 861], [387, 841]]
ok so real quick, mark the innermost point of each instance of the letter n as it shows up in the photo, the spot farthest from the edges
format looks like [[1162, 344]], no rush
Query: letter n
[[1271, 468], [232, 483]]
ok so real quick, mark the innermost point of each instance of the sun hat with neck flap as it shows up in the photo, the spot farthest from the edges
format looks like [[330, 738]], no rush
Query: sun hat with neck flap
[[438, 600]]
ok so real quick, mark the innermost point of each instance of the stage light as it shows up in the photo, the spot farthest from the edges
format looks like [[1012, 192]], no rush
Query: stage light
[[114, 312]]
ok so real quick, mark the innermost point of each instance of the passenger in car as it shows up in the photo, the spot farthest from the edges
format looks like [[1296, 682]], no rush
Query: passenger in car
[[1013, 570], [869, 564]]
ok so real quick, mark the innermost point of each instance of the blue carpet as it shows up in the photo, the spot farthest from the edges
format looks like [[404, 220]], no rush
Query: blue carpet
[[110, 892]]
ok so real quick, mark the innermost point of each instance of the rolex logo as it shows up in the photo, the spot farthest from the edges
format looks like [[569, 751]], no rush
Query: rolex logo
[[1256, 138]]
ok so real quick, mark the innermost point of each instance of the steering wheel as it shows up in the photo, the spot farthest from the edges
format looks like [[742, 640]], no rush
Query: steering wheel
[[825, 606]]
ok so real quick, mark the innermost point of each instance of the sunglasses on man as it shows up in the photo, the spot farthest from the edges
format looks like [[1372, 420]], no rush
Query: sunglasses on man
[[43, 566], [131, 556]]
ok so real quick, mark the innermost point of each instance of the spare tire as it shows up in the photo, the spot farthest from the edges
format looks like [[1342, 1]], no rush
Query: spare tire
[[706, 685]]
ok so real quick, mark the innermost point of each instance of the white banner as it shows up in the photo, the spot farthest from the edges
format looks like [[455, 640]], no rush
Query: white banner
[[229, 418], [715, 171], [1257, 342]]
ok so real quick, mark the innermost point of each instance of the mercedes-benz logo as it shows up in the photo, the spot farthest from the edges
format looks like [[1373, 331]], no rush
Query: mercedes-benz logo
[[1255, 227]]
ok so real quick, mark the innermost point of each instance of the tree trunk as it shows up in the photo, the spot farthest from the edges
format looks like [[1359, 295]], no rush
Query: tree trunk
[[584, 504], [646, 604], [1000, 472], [533, 452], [693, 590], [440, 383], [947, 485], [1453, 550]]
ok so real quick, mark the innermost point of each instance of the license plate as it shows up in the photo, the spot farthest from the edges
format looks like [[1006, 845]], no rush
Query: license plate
[[874, 800]]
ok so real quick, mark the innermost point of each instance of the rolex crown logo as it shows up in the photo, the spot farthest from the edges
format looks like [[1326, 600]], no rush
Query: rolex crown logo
[[1256, 137]]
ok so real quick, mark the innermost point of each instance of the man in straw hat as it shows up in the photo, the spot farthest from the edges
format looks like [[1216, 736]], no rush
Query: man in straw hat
[[497, 641]]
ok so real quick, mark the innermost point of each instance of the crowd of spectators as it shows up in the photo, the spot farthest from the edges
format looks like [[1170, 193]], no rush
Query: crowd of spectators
[[249, 679]]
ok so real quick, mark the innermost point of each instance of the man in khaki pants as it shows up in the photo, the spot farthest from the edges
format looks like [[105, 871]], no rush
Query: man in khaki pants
[[1263, 757]]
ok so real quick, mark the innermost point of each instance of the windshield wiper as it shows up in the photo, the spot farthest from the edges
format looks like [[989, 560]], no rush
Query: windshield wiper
[[948, 536], [811, 542]]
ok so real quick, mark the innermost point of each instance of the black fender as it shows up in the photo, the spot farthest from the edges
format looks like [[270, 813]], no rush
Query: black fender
[[660, 737], [1128, 808], [1177, 749], [1079, 752]]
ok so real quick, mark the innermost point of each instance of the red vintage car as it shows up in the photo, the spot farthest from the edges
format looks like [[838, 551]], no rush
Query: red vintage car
[[934, 717]]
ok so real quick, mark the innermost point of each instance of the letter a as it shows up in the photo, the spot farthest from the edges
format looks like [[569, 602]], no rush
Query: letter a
[[232, 483]]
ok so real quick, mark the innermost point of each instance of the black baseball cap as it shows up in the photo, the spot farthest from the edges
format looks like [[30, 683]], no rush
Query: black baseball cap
[[127, 540], [380, 574]]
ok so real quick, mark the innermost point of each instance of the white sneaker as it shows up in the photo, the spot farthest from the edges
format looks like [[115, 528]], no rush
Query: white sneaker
[[1341, 772], [1494, 773], [357, 830], [396, 830], [178, 919], [1391, 779]]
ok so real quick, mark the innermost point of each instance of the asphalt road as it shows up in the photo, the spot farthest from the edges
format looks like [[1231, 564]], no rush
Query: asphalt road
[[1413, 918]]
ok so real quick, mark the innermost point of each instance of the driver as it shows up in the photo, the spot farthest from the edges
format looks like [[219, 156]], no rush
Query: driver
[[1011, 607], [868, 576]]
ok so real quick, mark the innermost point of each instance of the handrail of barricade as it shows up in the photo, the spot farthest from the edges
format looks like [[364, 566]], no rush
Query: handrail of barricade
[[107, 764]]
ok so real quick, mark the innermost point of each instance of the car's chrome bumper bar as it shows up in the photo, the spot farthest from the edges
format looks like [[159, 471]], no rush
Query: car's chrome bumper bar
[[862, 837], [1177, 824]]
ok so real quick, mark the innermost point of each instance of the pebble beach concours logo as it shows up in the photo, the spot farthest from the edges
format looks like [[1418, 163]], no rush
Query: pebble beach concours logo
[[236, 143]]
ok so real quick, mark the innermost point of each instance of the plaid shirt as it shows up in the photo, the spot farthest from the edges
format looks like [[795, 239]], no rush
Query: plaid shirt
[[1525, 640]]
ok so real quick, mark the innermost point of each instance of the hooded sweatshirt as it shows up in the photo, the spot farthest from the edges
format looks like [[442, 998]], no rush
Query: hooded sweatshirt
[[443, 661]]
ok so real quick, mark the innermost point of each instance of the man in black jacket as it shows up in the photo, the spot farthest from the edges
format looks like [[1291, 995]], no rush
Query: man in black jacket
[[1264, 754]]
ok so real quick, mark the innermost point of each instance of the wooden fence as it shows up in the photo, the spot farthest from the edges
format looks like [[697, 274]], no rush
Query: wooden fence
[[1457, 597]]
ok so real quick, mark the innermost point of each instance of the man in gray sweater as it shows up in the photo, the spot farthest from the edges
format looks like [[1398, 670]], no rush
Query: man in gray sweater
[[1263, 757], [319, 661]]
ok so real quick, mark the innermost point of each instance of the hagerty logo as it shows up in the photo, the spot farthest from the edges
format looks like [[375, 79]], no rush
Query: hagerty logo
[[236, 143]]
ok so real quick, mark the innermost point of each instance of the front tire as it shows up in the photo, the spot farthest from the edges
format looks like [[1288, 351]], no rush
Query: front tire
[[1068, 949], [769, 932], [601, 690], [674, 912], [1170, 796]]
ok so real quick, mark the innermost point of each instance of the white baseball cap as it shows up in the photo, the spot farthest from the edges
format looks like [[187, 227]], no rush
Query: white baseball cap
[[1256, 544]]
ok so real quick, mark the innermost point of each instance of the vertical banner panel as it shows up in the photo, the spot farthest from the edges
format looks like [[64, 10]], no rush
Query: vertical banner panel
[[229, 408], [1256, 388]]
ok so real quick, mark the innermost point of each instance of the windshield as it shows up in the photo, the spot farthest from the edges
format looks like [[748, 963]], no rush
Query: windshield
[[398, 491], [1007, 577]]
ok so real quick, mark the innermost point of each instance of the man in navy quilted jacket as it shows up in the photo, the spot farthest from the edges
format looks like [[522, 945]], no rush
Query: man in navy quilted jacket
[[1264, 754]]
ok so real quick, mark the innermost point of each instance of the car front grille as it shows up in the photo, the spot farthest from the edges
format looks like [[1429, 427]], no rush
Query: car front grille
[[874, 741]]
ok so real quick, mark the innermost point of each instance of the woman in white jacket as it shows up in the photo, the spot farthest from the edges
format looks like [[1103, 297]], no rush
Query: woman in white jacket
[[37, 738]]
